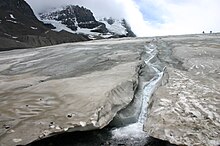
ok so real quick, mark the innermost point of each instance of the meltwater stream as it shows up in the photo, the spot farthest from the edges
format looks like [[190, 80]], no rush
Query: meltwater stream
[[133, 134]]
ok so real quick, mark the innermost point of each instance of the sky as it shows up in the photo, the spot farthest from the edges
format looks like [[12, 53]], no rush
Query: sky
[[150, 17]]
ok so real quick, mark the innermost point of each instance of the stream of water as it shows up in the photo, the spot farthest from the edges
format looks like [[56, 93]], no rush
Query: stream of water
[[133, 134]]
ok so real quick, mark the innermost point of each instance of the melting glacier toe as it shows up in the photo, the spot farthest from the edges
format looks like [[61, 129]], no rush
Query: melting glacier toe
[[133, 133]]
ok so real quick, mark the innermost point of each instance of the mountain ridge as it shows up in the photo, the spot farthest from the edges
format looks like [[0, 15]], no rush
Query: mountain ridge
[[76, 19]]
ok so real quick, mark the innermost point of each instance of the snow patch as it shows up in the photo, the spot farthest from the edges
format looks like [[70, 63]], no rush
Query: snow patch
[[83, 124], [12, 21], [7, 34], [107, 36], [12, 16], [92, 34], [34, 28], [87, 31], [59, 26], [16, 140], [116, 27], [10, 36], [91, 37]]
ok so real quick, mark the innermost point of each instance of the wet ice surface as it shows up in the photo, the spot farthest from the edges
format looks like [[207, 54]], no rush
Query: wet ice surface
[[190, 114], [186, 109], [41, 88], [66, 87], [191, 81]]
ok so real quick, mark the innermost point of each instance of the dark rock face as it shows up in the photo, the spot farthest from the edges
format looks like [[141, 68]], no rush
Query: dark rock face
[[82, 14], [17, 5], [110, 21], [128, 29], [19, 28]]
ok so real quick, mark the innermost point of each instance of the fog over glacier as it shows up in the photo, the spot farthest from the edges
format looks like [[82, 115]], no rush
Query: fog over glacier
[[150, 17]]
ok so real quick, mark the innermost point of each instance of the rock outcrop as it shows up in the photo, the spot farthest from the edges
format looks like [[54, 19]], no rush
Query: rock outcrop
[[64, 88], [19, 28], [185, 109]]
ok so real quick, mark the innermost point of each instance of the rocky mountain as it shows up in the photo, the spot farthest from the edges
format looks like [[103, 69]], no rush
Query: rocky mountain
[[76, 19], [20, 28]]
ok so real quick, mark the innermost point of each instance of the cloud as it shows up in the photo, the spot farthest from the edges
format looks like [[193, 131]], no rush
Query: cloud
[[179, 17], [150, 17], [188, 16]]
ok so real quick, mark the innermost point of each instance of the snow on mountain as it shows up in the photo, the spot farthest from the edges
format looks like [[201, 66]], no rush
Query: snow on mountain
[[80, 20], [59, 26], [115, 26], [12, 16]]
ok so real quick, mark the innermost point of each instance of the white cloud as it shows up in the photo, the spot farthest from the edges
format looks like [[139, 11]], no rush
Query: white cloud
[[171, 16], [179, 17], [190, 16]]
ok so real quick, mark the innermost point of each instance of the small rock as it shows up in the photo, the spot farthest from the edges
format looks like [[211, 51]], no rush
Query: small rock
[[57, 128], [45, 133], [11, 131], [69, 115], [52, 126], [6, 126], [94, 123], [83, 124]]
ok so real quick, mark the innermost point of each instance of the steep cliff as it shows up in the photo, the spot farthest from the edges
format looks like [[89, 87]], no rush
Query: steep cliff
[[19, 28]]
